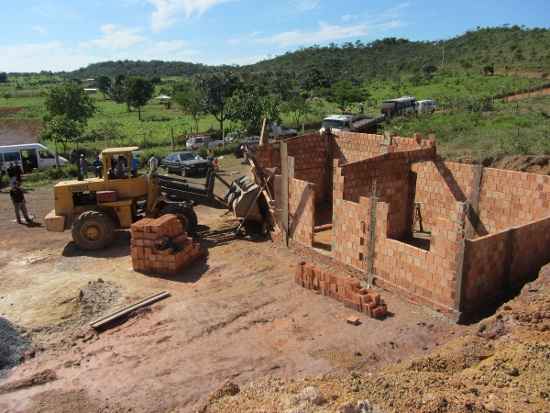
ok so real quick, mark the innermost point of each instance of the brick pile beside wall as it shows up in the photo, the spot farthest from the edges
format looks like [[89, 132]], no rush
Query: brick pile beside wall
[[161, 245], [344, 289]]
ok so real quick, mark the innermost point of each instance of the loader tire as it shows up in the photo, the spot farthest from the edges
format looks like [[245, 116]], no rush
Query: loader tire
[[186, 215], [93, 230]]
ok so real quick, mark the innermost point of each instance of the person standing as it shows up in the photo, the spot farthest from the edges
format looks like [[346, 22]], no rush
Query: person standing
[[18, 173], [153, 164], [18, 199], [135, 165], [83, 165], [12, 174], [98, 167]]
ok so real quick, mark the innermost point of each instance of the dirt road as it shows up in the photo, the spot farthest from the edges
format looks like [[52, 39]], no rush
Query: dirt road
[[237, 316]]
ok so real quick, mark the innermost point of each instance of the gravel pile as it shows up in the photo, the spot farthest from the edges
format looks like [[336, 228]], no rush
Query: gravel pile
[[12, 345], [96, 298]]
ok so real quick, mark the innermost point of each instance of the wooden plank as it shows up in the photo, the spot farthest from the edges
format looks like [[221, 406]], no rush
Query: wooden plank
[[284, 192], [264, 133], [103, 321]]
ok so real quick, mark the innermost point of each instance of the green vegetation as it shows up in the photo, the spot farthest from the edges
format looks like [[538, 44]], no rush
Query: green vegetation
[[466, 75], [517, 128]]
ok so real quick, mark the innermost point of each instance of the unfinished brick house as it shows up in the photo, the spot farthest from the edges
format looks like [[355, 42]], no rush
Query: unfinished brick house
[[453, 236]]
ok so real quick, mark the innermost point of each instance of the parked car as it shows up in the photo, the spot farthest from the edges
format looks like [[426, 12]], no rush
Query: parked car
[[29, 156], [426, 106], [215, 144], [197, 142], [186, 164]]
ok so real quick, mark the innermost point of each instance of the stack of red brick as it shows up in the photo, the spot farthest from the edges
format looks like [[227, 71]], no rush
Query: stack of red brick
[[161, 245], [342, 288]]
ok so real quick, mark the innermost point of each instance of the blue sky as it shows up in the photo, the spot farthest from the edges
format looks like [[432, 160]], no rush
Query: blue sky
[[68, 34]]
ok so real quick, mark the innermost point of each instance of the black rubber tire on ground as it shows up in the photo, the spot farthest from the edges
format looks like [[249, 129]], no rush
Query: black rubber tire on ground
[[93, 230], [189, 215]]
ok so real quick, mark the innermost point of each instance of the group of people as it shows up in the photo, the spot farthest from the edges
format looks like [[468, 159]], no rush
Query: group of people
[[14, 174], [118, 170]]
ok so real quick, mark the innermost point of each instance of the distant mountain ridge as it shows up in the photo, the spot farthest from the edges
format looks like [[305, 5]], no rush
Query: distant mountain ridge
[[505, 48]]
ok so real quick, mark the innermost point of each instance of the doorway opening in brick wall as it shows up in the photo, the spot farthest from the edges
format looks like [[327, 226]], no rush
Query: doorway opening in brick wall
[[322, 231]]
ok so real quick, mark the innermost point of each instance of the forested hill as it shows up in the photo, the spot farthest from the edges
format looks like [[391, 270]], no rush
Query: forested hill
[[151, 68], [505, 48]]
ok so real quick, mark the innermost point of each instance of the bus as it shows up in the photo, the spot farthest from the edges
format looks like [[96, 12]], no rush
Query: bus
[[29, 156]]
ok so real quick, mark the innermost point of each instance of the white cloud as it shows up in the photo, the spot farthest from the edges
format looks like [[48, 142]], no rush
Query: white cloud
[[34, 57], [39, 30], [167, 12], [115, 37], [58, 56], [307, 5], [325, 33]]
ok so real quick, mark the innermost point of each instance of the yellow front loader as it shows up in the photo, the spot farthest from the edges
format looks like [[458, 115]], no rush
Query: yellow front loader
[[94, 208]]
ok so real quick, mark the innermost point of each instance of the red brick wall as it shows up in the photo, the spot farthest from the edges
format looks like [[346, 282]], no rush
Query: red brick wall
[[392, 186], [485, 266], [507, 258], [301, 209], [352, 147], [269, 156], [429, 275], [510, 198], [531, 249], [439, 186], [311, 161], [350, 229]]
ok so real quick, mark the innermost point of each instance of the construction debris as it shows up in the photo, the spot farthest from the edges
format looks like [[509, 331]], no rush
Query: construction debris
[[353, 320], [344, 289], [126, 311], [162, 245]]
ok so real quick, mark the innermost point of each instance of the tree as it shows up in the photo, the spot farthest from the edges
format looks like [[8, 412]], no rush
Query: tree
[[344, 93], [104, 85], [3, 77], [138, 92], [298, 107], [62, 129], [249, 107], [191, 99], [218, 88], [118, 90], [70, 100]]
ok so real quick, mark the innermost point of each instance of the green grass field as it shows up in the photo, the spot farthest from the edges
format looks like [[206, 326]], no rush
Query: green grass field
[[505, 129]]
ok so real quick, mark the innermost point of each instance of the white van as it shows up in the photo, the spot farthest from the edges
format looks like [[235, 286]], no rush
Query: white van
[[426, 106], [30, 156]]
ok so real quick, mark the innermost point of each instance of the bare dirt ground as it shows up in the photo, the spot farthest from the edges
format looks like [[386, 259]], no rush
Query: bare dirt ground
[[236, 316], [18, 131], [521, 96], [503, 365]]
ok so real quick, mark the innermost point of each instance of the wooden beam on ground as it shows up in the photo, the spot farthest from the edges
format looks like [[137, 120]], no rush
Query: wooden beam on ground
[[104, 321]]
